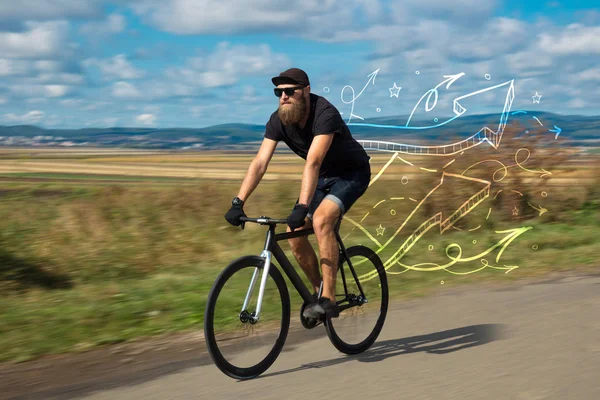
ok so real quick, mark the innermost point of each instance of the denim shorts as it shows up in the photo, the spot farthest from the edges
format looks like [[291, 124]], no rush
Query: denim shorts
[[343, 190]]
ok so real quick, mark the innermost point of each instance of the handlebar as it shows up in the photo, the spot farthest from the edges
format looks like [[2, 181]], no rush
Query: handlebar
[[262, 220]]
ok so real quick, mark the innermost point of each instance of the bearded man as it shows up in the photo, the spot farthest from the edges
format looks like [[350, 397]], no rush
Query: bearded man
[[336, 173]]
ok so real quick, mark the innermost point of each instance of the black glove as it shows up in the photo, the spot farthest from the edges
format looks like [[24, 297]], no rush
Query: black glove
[[296, 218], [235, 212]]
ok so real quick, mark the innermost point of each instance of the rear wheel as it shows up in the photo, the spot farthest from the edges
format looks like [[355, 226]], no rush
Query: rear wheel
[[241, 347], [361, 318]]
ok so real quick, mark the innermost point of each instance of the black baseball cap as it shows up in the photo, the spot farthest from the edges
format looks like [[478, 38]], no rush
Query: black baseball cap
[[293, 76]]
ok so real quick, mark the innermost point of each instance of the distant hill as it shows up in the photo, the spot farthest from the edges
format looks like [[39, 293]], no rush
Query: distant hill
[[578, 130]]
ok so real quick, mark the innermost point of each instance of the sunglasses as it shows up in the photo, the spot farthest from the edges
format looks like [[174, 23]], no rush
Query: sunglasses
[[288, 91]]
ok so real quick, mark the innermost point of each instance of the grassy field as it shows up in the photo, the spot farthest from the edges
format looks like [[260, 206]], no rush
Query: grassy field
[[104, 247]]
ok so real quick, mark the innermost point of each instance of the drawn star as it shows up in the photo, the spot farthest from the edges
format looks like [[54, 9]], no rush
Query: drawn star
[[395, 91], [515, 211], [380, 230], [536, 98]]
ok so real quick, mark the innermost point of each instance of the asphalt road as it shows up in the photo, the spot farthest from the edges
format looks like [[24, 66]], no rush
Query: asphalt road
[[528, 342]]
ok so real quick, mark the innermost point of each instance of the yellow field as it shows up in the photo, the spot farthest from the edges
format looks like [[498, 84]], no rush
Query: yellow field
[[229, 166]]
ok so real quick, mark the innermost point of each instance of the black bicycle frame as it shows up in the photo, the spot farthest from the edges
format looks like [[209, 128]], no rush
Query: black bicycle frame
[[271, 244]]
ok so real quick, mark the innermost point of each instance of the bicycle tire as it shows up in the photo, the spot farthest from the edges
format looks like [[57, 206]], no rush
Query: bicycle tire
[[214, 350], [356, 348]]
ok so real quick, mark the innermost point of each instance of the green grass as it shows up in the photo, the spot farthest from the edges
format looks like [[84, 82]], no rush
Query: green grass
[[87, 266]]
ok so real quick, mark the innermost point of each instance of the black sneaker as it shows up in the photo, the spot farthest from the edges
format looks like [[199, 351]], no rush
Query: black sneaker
[[323, 307]]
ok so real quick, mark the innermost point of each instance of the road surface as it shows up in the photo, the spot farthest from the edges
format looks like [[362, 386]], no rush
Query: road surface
[[531, 341]]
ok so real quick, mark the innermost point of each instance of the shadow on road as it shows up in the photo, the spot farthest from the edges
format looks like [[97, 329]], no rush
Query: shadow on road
[[433, 343]]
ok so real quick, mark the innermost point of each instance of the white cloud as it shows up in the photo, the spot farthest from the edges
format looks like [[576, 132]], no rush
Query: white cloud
[[146, 119], [3, 100], [48, 9], [36, 92], [32, 117], [47, 66], [41, 40], [117, 67], [592, 74], [235, 16], [227, 65], [71, 102], [447, 10], [36, 100], [574, 39], [125, 90], [113, 24], [56, 90], [576, 103], [10, 67]]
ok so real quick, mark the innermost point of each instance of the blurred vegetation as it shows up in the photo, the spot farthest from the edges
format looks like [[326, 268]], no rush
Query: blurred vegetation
[[82, 266]]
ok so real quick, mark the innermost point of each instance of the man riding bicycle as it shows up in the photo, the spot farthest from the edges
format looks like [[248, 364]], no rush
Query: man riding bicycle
[[336, 173]]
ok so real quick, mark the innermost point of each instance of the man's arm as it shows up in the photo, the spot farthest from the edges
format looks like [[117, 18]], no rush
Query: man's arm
[[314, 159], [257, 168]]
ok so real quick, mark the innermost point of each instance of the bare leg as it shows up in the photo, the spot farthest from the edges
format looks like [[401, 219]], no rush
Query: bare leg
[[306, 256], [325, 219]]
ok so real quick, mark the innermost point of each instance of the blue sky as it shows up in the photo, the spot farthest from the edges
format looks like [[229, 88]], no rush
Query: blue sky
[[194, 63]]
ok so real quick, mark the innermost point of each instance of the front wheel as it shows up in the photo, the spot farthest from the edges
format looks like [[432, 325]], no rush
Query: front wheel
[[240, 346], [361, 318]]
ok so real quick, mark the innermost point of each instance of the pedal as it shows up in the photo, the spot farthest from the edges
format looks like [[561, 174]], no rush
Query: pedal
[[308, 323]]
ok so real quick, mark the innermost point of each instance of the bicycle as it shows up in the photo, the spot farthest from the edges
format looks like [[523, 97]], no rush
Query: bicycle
[[361, 297]]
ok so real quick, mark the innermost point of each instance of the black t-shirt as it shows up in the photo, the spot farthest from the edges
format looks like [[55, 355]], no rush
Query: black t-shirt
[[345, 153]]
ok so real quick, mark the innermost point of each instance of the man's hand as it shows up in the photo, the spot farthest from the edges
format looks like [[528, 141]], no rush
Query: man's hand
[[235, 213], [296, 218]]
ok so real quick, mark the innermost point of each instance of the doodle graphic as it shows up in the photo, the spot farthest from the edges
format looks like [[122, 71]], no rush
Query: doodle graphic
[[431, 210], [378, 109], [556, 130], [485, 134], [417, 72], [438, 218], [395, 90], [536, 98], [371, 80], [541, 210], [534, 247], [510, 236], [543, 172], [326, 89]]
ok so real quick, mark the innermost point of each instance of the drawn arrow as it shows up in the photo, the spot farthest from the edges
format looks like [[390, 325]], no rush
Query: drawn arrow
[[541, 210], [483, 191], [371, 80], [450, 79], [557, 130], [485, 134], [510, 236]]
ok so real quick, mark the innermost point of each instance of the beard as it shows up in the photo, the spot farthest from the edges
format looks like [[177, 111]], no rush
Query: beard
[[293, 112]]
